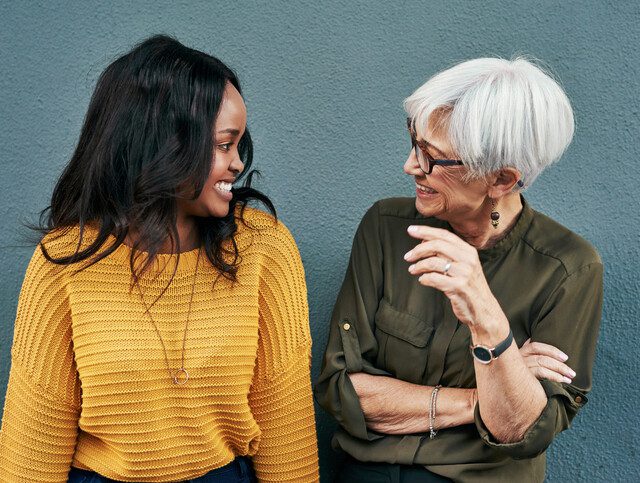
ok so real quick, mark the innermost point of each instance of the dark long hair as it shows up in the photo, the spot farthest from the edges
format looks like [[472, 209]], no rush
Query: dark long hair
[[147, 132]]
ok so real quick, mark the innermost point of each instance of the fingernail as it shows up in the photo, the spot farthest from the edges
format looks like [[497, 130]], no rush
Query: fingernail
[[567, 380], [407, 255], [564, 356], [572, 372], [412, 229], [411, 267]]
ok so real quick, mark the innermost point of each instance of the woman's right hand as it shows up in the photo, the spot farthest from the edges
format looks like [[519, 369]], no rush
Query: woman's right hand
[[545, 361]]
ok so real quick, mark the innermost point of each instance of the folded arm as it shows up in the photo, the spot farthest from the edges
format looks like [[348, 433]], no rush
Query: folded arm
[[392, 406], [515, 411]]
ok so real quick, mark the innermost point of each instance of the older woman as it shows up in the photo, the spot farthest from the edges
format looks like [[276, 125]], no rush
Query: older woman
[[463, 337]]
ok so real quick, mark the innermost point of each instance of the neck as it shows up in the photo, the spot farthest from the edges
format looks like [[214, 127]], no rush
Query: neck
[[187, 234], [477, 229]]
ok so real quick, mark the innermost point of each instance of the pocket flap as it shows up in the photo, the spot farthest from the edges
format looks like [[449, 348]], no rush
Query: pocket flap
[[402, 325]]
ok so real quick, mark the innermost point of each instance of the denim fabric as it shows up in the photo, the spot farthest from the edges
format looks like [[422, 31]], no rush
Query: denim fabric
[[239, 470]]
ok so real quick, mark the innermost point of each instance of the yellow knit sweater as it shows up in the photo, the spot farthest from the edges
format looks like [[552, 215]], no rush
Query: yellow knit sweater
[[89, 385]]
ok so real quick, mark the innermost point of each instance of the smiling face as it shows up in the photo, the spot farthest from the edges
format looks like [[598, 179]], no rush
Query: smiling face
[[444, 193], [226, 166]]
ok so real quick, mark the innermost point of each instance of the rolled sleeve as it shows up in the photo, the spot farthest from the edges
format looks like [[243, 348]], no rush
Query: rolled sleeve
[[334, 391], [563, 403], [570, 321], [352, 345]]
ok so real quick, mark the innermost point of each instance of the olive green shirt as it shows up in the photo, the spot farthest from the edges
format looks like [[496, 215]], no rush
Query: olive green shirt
[[548, 281]]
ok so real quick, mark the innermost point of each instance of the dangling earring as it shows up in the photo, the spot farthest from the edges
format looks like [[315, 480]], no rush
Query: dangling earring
[[495, 216]]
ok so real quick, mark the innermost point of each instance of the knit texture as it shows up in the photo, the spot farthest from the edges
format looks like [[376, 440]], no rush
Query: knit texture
[[89, 384]]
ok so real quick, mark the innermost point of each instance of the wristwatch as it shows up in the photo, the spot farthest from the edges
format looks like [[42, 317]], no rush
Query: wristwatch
[[485, 355]]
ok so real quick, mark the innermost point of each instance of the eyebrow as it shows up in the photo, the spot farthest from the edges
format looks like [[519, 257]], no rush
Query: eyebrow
[[427, 144], [230, 130]]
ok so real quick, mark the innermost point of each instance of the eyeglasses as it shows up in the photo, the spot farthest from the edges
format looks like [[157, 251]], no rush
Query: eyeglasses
[[425, 160]]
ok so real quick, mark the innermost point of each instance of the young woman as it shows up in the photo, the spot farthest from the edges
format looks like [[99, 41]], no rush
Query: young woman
[[162, 329]]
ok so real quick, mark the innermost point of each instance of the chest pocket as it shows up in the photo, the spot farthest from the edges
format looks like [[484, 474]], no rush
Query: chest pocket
[[403, 341]]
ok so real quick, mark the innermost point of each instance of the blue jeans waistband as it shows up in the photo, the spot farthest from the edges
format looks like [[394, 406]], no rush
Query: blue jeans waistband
[[240, 470]]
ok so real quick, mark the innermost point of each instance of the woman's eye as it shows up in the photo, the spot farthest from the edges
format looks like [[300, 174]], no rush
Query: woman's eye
[[225, 147], [426, 154]]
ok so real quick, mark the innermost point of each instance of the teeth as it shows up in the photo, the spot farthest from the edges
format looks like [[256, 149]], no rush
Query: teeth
[[222, 186], [425, 189]]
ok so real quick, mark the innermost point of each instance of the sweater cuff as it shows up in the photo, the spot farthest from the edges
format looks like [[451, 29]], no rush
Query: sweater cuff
[[38, 434]]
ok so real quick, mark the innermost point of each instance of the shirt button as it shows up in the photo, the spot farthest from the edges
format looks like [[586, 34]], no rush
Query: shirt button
[[578, 399], [346, 326]]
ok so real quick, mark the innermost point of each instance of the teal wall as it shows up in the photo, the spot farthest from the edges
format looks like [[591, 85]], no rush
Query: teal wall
[[324, 83]]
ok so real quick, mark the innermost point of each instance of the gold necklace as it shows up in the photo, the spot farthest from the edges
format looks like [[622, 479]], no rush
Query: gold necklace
[[179, 376]]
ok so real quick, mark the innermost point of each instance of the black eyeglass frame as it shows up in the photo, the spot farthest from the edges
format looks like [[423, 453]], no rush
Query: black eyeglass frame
[[431, 162]]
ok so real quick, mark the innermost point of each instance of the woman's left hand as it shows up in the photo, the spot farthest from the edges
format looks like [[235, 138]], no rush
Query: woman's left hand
[[446, 262]]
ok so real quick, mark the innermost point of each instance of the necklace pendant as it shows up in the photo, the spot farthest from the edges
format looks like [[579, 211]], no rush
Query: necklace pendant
[[180, 377]]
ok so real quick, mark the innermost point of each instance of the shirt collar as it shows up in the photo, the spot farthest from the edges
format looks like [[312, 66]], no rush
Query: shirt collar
[[515, 234]]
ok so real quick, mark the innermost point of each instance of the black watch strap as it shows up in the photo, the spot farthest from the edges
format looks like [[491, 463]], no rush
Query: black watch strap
[[485, 355], [502, 346]]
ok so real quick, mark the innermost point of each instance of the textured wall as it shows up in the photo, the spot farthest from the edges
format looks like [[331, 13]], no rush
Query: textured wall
[[324, 82]]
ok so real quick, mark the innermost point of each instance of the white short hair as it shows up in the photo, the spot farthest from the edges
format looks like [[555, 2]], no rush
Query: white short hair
[[498, 113]]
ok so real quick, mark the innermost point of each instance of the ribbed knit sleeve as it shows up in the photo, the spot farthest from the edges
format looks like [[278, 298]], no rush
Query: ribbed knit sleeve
[[40, 420], [280, 396]]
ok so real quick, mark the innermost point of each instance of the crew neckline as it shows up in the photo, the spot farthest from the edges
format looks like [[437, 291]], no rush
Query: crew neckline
[[186, 261]]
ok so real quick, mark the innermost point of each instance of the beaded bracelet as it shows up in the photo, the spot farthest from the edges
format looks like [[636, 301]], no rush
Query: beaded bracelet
[[432, 412]]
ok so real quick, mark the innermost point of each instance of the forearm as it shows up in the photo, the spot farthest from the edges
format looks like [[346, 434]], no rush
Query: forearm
[[510, 398], [392, 406]]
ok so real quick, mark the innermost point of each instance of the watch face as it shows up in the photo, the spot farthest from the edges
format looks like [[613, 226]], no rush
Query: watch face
[[482, 354]]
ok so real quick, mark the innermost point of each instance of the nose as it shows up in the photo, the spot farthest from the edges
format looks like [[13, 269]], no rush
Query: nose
[[411, 166], [236, 166]]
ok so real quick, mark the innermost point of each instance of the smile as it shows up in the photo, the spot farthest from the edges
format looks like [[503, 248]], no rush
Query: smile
[[426, 189], [223, 186]]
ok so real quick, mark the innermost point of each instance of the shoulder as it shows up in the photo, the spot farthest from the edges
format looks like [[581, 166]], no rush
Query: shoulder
[[56, 250], [397, 208], [391, 208], [264, 233], [56, 244], [549, 238], [43, 299], [390, 214], [253, 218], [64, 242]]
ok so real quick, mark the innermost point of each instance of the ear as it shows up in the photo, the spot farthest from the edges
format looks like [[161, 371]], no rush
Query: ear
[[503, 183]]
